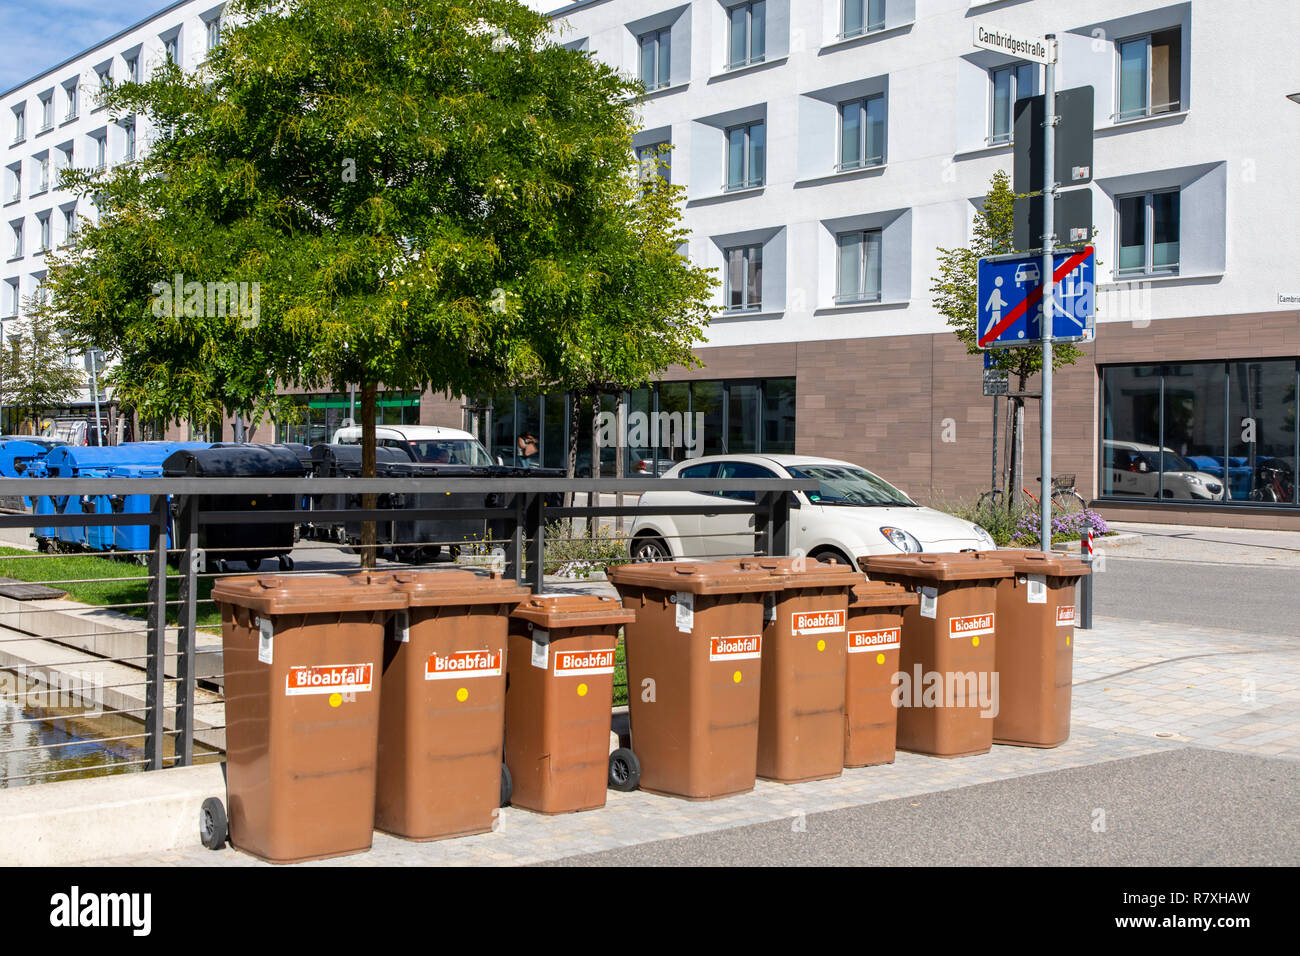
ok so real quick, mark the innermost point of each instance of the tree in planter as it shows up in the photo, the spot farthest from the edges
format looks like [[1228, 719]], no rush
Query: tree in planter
[[35, 372], [418, 188], [955, 296]]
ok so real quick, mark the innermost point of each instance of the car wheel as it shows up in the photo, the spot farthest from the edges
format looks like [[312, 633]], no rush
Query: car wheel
[[650, 549]]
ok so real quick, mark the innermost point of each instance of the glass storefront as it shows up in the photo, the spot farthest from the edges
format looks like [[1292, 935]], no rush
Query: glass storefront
[[319, 416], [1208, 431], [666, 423]]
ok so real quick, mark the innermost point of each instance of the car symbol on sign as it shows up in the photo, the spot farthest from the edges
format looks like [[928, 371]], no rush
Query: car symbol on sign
[[1027, 273]]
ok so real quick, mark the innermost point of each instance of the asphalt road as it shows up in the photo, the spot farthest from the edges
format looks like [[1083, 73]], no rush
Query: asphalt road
[[1188, 807], [1250, 598]]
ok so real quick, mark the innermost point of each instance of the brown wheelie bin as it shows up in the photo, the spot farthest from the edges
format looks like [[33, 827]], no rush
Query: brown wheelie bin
[[801, 705], [1035, 651], [693, 671], [559, 694], [303, 658], [442, 714], [948, 678], [875, 635]]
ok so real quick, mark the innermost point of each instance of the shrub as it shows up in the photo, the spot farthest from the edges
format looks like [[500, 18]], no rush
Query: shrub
[[577, 555]]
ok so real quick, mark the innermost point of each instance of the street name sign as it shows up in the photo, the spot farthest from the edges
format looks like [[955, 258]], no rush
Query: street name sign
[[1024, 46]]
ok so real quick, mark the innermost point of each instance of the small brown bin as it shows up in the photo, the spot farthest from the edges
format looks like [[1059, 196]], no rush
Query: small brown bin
[[801, 707], [693, 672], [1035, 650], [303, 658], [875, 636], [948, 679], [559, 695], [442, 714]]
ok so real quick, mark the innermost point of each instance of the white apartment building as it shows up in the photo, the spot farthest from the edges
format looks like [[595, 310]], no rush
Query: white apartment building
[[829, 147]]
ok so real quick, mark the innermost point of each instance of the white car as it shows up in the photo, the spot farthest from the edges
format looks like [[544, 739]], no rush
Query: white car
[[853, 513], [424, 443], [1135, 470]]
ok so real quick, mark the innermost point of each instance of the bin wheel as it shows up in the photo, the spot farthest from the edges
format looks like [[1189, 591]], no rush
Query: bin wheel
[[507, 786], [286, 563], [253, 563], [213, 827], [624, 770]]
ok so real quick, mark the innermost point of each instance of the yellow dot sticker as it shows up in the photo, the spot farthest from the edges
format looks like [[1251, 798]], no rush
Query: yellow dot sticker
[[462, 695], [582, 690], [736, 677], [1067, 642], [821, 645], [336, 700], [975, 642], [880, 658]]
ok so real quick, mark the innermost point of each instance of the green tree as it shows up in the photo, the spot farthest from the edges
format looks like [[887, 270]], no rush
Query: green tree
[[422, 192], [954, 288], [36, 373]]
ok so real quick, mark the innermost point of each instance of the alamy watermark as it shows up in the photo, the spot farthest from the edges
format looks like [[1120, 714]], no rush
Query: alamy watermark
[[176, 298], [54, 690], [663, 430]]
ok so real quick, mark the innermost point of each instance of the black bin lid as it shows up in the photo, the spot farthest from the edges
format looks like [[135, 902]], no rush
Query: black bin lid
[[235, 461]]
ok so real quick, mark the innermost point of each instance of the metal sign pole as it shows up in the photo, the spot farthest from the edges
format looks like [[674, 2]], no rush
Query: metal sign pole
[[1049, 310]]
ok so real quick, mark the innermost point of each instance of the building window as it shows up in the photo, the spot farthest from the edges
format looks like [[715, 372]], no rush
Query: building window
[[17, 171], [172, 48], [101, 153], [861, 16], [47, 112], [858, 269], [862, 133], [69, 224], [656, 59], [44, 179], [44, 238], [747, 34], [1148, 231], [132, 69], [213, 33], [744, 291], [18, 239], [746, 159], [70, 99], [11, 298], [1150, 75], [1009, 83], [652, 160], [1212, 432], [129, 129], [20, 125], [320, 416]]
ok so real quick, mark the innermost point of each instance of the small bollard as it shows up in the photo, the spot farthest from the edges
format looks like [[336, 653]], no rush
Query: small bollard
[[1085, 583]]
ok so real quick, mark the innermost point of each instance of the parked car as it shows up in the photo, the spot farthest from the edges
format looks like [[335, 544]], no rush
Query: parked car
[[428, 444], [852, 513], [1135, 469]]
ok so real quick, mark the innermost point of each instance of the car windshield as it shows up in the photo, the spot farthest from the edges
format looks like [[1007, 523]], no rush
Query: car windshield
[[451, 451], [1172, 462], [845, 485]]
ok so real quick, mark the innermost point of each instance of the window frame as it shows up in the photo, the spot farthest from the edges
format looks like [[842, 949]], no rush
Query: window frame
[[867, 25], [72, 102], [842, 298], [20, 124], [750, 262], [212, 33], [1013, 69], [660, 36], [1148, 109], [747, 181], [129, 145], [866, 162], [43, 234], [747, 6], [47, 113], [654, 157], [1149, 270]]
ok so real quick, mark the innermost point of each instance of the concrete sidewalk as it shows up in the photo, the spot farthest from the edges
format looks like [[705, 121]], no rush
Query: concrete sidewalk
[[1141, 689]]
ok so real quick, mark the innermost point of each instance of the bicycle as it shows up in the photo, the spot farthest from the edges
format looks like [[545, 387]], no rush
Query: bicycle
[[1065, 496]]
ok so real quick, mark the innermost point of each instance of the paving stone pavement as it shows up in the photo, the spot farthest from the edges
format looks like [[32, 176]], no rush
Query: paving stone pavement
[[1139, 688]]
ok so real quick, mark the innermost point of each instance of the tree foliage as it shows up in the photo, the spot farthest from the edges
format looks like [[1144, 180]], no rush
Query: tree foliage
[[35, 374]]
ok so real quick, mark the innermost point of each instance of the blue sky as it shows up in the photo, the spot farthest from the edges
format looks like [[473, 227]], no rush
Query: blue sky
[[36, 34]]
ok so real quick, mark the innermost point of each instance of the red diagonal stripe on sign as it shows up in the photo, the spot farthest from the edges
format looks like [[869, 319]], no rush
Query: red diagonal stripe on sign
[[1068, 266]]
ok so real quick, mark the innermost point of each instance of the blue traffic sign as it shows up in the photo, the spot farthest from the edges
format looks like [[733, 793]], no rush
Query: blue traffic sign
[[1010, 307]]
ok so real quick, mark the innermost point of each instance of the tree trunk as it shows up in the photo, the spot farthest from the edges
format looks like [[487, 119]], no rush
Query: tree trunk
[[571, 467], [594, 497], [370, 499]]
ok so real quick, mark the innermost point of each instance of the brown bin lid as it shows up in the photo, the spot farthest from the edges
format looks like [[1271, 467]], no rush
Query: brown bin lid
[[956, 566], [805, 573], [881, 594], [442, 588], [308, 593], [572, 610], [695, 577], [1050, 563]]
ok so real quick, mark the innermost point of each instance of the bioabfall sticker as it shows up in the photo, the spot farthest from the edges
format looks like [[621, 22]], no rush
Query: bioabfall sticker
[[1036, 593], [929, 601], [541, 648], [685, 611], [265, 639]]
